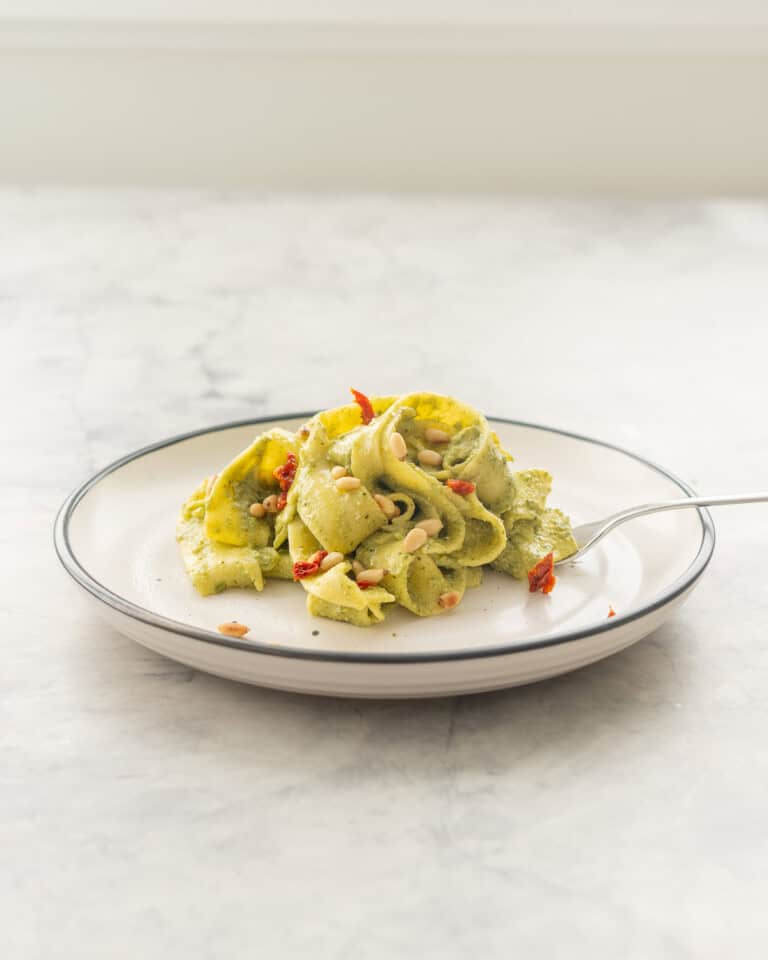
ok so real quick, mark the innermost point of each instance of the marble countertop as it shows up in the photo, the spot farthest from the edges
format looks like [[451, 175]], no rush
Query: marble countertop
[[150, 811]]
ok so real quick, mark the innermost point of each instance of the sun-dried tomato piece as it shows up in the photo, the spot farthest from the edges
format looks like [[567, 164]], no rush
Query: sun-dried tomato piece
[[366, 408], [286, 473], [281, 502], [542, 576], [462, 487], [611, 612], [307, 568]]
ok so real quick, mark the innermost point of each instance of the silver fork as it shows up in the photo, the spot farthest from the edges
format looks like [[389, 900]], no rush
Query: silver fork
[[588, 534]]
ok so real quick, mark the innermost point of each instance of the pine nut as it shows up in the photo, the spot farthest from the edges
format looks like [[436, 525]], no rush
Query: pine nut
[[345, 484], [432, 526], [331, 559], [430, 458], [338, 472], [397, 446], [449, 600], [388, 507], [270, 503], [433, 435], [357, 568], [257, 510], [415, 538], [370, 577], [233, 629]]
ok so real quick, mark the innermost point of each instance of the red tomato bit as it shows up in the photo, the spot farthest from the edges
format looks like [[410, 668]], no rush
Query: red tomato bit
[[366, 408], [542, 577], [286, 473], [462, 487], [307, 568], [281, 501], [611, 612]]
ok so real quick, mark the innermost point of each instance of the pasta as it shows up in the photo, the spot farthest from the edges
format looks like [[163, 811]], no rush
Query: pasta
[[396, 501]]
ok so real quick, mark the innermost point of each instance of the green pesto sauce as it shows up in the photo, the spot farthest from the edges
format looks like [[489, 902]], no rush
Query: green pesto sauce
[[461, 447], [531, 539], [504, 522]]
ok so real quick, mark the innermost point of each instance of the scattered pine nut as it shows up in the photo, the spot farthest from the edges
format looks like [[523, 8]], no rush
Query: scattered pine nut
[[338, 471], [370, 577], [331, 559], [233, 629], [430, 458], [449, 600], [388, 507], [345, 484], [270, 503], [415, 539], [431, 526], [397, 446], [433, 435]]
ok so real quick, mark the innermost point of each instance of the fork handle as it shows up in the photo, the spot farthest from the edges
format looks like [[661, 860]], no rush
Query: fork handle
[[692, 502]]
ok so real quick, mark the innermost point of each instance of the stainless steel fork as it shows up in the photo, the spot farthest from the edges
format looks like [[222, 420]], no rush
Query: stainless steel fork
[[588, 534]]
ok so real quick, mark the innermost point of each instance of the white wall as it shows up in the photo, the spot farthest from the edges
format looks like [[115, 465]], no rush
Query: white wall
[[524, 97]]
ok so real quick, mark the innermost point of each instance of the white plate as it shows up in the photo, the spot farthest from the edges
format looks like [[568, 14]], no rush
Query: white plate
[[115, 536]]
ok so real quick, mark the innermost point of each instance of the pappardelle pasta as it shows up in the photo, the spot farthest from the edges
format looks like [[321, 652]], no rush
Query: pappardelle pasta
[[392, 500]]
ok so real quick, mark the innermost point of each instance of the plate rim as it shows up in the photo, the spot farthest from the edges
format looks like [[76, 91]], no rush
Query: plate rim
[[90, 584]]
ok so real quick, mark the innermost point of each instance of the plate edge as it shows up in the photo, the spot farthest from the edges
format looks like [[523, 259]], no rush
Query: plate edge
[[69, 561]]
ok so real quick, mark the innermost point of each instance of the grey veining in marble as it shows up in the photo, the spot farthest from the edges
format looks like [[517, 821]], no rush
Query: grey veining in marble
[[150, 811]]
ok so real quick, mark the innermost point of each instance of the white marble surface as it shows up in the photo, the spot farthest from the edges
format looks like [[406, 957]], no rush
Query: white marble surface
[[149, 811]]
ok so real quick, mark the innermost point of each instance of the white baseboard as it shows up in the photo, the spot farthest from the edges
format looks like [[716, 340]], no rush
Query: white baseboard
[[430, 107]]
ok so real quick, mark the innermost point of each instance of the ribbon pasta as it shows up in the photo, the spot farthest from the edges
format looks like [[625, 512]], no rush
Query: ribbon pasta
[[406, 510]]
